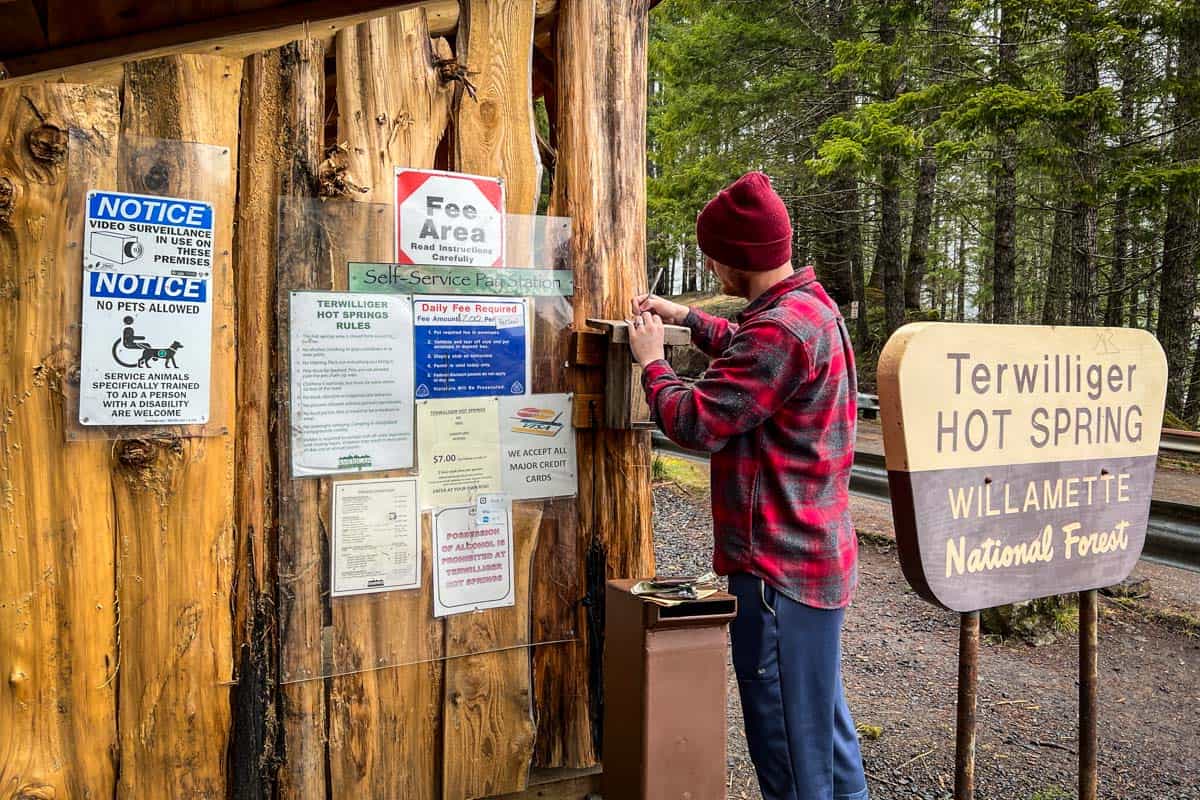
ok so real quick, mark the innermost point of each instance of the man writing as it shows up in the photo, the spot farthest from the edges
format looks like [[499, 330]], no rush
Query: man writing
[[777, 408]]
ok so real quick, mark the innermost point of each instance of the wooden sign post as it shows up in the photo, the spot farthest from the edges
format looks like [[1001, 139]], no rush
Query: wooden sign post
[[1021, 462]]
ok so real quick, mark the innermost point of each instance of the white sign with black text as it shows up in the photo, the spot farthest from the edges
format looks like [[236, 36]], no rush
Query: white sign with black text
[[146, 340], [376, 536], [473, 556], [352, 383], [446, 219], [537, 442]]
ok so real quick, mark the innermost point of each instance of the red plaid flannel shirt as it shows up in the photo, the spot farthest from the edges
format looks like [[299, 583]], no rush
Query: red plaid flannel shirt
[[778, 409]]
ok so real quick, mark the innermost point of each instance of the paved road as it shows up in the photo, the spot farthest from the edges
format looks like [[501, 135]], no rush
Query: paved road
[[1173, 482]]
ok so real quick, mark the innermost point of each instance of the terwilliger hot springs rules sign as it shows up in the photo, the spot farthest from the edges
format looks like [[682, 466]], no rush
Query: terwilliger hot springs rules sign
[[1020, 458]]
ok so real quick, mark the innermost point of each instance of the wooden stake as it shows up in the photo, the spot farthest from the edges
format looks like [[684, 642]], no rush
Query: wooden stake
[[968, 684], [1088, 680]]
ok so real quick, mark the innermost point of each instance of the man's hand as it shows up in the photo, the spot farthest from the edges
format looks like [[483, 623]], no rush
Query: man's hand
[[646, 336], [671, 313]]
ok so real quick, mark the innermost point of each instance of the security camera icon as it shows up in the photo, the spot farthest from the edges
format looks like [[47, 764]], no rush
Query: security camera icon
[[120, 248]]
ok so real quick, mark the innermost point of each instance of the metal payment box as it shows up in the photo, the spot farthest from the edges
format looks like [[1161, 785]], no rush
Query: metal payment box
[[665, 685]]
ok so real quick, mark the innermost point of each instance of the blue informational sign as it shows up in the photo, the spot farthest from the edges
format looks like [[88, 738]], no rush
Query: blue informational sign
[[470, 346]]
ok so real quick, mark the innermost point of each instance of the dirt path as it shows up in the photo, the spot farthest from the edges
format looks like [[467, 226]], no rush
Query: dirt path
[[900, 672]]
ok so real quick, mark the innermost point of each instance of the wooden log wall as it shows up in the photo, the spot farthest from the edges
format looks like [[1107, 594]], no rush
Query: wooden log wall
[[166, 628]]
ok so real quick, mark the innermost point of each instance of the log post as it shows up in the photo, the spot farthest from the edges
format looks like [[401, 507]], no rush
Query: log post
[[599, 182], [59, 652], [282, 117], [384, 725], [174, 495], [488, 728]]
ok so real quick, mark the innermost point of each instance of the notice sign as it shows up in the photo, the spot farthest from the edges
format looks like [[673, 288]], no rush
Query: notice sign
[[473, 556], [1020, 458], [538, 446], [146, 343], [459, 446], [351, 383], [376, 536], [449, 219], [470, 346]]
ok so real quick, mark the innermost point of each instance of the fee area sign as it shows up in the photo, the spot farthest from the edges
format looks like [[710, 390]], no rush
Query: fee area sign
[[146, 342], [1020, 458], [449, 219]]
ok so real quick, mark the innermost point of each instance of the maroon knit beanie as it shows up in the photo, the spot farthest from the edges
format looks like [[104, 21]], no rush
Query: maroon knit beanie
[[746, 226]]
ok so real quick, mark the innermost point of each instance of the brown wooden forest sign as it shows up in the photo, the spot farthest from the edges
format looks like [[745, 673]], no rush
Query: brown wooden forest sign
[[1020, 458]]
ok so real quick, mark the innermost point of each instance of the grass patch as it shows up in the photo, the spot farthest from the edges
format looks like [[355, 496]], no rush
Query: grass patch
[[686, 474], [1183, 621]]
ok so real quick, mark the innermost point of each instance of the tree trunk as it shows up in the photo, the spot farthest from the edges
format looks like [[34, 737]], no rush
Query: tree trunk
[[1004, 231], [1055, 308], [1178, 293], [601, 70], [888, 259], [1083, 138], [1114, 308], [833, 261], [960, 294], [927, 168], [690, 267]]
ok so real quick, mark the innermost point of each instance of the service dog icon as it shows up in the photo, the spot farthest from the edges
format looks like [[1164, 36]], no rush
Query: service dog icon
[[130, 342]]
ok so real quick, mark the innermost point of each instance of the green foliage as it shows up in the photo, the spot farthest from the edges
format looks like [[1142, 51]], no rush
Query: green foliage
[[822, 96]]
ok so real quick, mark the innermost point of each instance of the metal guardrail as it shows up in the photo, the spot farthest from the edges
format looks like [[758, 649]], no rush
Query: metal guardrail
[[1177, 441], [1172, 538]]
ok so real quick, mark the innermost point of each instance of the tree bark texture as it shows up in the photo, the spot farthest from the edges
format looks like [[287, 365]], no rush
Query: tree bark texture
[[176, 661], [282, 120], [888, 259], [1004, 251], [487, 714], [1083, 136], [59, 614], [601, 69], [1177, 297], [927, 168], [1056, 307]]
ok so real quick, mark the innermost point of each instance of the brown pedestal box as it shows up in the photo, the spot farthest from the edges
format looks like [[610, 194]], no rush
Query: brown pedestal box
[[665, 683]]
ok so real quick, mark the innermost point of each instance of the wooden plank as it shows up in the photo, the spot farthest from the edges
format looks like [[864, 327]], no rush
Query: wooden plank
[[72, 22], [282, 119], [489, 731], [174, 498], [559, 784], [58, 620], [599, 181], [237, 37], [384, 722], [233, 36]]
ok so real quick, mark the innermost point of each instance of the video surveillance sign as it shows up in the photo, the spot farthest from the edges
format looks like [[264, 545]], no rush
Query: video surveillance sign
[[146, 343]]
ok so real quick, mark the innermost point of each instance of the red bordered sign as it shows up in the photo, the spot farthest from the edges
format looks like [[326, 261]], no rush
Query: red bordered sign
[[449, 219]]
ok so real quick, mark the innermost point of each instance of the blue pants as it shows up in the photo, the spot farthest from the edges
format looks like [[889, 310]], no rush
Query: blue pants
[[788, 660]]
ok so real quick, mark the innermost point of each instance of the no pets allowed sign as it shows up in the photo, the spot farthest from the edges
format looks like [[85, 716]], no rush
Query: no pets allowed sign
[[449, 219]]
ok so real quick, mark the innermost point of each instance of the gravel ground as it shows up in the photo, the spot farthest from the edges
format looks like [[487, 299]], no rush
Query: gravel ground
[[900, 668]]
